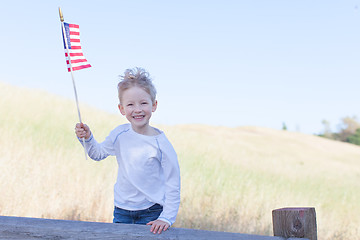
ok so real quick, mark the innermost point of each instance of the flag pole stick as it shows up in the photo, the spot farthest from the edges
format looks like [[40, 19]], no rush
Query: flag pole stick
[[72, 75]]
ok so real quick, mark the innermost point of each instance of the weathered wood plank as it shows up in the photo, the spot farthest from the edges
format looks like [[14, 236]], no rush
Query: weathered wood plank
[[295, 222], [36, 228]]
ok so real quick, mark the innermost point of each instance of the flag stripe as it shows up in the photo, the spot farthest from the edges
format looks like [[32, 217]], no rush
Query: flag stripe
[[79, 68], [73, 61], [74, 33], [73, 25], [75, 47], [72, 38], [82, 67], [74, 55], [74, 51]]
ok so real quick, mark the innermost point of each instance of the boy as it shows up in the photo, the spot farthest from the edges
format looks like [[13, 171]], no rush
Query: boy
[[147, 190]]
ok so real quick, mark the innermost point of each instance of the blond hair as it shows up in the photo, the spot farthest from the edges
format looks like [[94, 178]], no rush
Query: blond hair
[[137, 77]]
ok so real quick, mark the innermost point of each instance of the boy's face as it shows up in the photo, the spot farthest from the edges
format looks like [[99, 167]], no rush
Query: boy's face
[[137, 107]]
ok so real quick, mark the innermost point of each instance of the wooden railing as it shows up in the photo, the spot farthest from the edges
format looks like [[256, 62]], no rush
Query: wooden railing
[[37, 228]]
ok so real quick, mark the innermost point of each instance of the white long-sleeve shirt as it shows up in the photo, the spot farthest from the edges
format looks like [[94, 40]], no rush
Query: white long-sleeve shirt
[[148, 171]]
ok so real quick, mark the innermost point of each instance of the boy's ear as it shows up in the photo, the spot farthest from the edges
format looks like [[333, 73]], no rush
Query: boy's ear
[[121, 108], [154, 106]]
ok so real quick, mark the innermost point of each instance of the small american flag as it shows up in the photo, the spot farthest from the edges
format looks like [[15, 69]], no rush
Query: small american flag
[[78, 60]]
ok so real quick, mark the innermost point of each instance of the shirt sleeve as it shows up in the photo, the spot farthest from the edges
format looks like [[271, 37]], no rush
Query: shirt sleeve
[[99, 151], [170, 165]]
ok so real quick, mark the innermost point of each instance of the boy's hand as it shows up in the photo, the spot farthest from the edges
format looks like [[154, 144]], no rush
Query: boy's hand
[[158, 226], [82, 131]]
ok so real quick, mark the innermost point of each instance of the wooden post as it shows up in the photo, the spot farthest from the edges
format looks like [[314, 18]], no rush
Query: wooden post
[[295, 222]]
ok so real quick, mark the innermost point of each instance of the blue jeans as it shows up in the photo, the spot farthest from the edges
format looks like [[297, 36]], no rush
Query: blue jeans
[[137, 217]]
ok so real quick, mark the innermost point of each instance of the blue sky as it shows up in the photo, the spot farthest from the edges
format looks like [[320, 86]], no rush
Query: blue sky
[[228, 63]]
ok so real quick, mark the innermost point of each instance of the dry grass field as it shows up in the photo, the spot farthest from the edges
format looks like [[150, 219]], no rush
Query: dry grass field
[[232, 178]]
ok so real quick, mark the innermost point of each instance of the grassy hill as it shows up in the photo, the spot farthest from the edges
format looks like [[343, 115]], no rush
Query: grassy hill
[[232, 178]]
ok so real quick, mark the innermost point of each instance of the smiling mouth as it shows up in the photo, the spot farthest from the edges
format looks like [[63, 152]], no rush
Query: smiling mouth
[[139, 117]]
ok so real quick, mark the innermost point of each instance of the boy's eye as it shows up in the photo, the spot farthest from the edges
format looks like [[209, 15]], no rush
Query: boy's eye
[[129, 104], [144, 103]]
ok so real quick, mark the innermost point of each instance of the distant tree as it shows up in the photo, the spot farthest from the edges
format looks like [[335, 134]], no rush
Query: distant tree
[[348, 127], [348, 130], [355, 138], [284, 127]]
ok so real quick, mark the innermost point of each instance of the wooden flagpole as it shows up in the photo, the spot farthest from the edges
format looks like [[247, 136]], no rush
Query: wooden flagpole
[[72, 75]]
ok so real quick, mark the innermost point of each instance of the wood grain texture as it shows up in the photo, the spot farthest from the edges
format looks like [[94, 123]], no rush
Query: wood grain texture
[[36, 228], [295, 222]]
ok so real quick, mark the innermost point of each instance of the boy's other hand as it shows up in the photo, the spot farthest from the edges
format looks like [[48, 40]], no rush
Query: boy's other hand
[[82, 131], [158, 226]]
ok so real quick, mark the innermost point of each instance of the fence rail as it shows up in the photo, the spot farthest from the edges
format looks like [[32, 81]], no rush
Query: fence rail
[[38, 228]]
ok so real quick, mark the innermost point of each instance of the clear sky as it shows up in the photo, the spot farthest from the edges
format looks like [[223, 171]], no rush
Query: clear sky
[[230, 63]]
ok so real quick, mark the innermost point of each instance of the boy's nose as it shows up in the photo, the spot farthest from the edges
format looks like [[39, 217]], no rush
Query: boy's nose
[[137, 108]]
